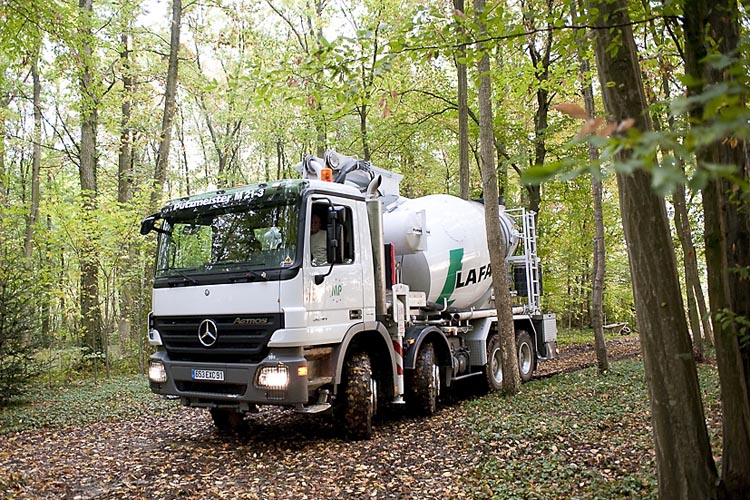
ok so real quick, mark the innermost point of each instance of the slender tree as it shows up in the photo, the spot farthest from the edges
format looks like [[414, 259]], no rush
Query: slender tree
[[33, 216], [309, 37], [125, 152], [597, 278], [511, 377], [87, 168], [463, 108], [711, 29], [125, 178], [540, 52], [170, 104], [685, 465]]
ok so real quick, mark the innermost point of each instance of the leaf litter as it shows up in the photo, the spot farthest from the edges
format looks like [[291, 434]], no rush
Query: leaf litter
[[472, 448]]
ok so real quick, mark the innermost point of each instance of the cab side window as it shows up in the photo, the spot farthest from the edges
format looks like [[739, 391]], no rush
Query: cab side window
[[324, 230], [346, 237]]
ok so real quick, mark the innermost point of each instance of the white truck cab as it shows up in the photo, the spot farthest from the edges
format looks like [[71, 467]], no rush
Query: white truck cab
[[245, 315]]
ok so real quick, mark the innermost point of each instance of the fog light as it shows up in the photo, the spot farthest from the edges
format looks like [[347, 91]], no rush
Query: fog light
[[156, 372], [274, 378]]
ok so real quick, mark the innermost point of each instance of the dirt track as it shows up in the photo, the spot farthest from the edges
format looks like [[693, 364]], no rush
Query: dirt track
[[179, 454]]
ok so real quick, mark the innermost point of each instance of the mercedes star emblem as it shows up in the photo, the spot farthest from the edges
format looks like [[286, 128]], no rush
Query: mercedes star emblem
[[208, 332]]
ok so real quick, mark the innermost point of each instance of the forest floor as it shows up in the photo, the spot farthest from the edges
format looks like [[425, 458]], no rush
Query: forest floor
[[566, 435]]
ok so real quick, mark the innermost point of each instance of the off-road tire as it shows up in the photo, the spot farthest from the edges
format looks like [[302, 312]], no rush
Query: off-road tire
[[228, 421], [423, 389], [357, 397], [526, 355], [493, 370]]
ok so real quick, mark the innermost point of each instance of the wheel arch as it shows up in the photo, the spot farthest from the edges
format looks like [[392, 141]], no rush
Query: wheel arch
[[524, 323], [373, 338], [416, 336]]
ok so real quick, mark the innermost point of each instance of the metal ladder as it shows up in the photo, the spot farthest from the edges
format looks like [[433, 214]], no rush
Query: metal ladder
[[531, 262]]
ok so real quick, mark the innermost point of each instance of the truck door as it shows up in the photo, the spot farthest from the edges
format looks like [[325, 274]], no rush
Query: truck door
[[336, 302]]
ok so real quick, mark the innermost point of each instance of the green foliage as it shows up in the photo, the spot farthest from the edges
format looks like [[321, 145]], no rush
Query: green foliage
[[566, 233], [17, 319], [581, 435], [577, 336], [81, 403], [734, 323]]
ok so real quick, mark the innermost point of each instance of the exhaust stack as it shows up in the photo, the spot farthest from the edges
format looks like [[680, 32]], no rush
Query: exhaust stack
[[375, 216]]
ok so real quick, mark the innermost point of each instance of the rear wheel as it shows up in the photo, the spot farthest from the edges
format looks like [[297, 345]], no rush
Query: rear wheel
[[358, 396], [493, 371], [526, 358], [424, 386]]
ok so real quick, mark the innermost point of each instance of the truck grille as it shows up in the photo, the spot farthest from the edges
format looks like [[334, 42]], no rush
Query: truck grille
[[239, 339]]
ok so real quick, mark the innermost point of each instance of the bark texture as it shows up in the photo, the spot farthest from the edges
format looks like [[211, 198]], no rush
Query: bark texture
[[36, 162], [125, 187], [495, 239], [600, 255], [685, 465], [90, 312], [170, 105], [710, 28], [463, 115]]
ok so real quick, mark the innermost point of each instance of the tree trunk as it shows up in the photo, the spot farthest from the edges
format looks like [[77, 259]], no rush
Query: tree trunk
[[682, 226], [597, 287], [90, 312], [362, 111], [712, 28], [170, 105], [597, 280], [541, 63], [4, 101], [685, 464], [183, 150], [36, 159], [463, 116], [682, 223], [125, 154], [495, 239], [125, 189]]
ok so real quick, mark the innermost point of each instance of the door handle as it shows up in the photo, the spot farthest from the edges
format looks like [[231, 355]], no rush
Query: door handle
[[355, 314]]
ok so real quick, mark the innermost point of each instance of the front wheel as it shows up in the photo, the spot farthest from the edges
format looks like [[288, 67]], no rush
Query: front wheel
[[424, 383], [526, 359], [228, 421], [358, 396]]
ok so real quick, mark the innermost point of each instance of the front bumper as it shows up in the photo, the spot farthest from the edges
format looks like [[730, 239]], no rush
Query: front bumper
[[240, 387]]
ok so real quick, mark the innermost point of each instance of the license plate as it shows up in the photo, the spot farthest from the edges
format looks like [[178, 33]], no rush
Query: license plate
[[208, 375]]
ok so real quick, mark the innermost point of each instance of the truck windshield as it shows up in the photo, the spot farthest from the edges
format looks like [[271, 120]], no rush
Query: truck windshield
[[204, 241]]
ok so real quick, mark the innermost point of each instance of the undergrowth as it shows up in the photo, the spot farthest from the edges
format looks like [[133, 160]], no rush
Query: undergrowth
[[81, 403], [577, 435], [580, 336]]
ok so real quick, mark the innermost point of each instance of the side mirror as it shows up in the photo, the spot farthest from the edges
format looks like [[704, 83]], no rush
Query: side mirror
[[333, 230], [148, 224]]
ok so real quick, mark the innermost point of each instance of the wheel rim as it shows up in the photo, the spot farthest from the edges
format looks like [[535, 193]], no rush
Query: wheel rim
[[373, 395], [496, 366], [436, 379], [524, 357]]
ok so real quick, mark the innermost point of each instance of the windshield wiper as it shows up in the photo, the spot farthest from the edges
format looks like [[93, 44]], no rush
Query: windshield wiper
[[185, 279]]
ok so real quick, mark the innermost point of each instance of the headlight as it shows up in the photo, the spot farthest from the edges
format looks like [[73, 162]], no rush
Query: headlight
[[156, 372], [274, 378]]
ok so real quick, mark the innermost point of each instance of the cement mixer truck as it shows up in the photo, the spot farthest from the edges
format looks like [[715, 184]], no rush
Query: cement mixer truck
[[395, 309]]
